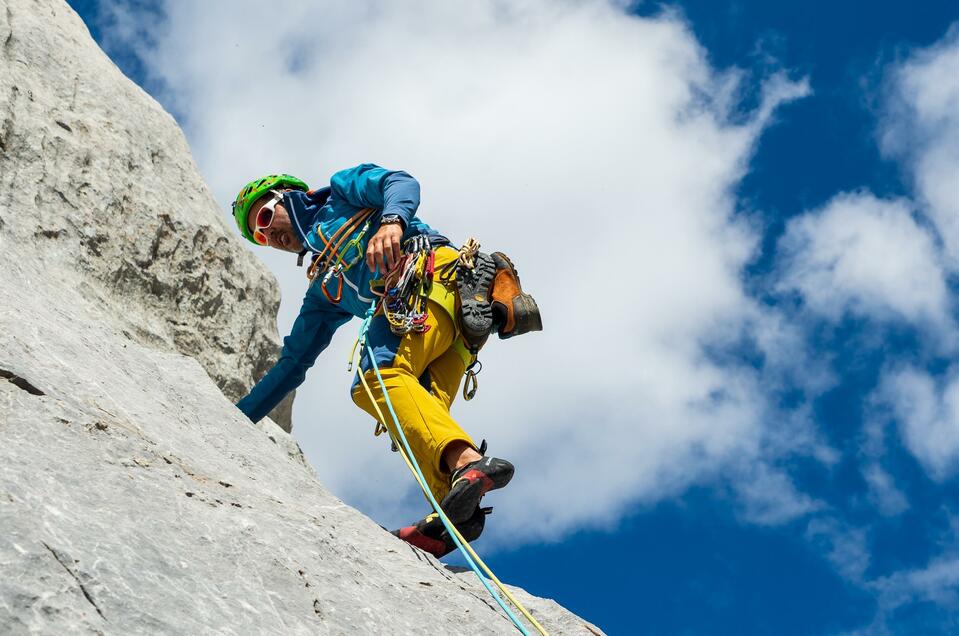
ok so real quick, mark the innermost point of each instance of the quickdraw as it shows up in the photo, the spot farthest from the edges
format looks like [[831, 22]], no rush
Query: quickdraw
[[405, 289], [354, 244]]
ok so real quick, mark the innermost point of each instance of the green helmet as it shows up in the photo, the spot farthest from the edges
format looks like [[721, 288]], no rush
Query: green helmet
[[253, 191]]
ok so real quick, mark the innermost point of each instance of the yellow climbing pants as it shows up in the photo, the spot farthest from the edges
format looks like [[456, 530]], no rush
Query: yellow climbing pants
[[422, 373]]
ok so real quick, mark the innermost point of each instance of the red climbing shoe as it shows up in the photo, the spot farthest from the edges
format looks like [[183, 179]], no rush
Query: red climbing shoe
[[430, 535], [470, 482]]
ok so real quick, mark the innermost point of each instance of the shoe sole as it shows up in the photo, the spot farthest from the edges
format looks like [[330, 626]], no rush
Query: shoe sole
[[460, 504], [410, 534], [470, 530], [476, 313]]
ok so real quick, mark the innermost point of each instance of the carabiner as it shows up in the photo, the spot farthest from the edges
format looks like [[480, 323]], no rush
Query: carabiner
[[471, 384], [333, 273]]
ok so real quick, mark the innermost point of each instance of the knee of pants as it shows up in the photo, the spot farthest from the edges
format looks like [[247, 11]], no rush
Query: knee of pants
[[362, 398], [358, 391]]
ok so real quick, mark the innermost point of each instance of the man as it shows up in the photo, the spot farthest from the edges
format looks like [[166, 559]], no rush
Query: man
[[356, 230]]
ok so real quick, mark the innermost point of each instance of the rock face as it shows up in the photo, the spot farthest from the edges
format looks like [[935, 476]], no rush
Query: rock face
[[97, 185], [134, 498]]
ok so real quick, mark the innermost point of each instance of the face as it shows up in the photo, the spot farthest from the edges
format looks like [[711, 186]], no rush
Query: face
[[280, 234]]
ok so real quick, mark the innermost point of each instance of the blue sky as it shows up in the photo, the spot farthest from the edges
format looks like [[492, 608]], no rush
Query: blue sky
[[833, 512]]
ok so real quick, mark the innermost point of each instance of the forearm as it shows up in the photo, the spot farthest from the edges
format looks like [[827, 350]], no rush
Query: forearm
[[401, 196], [284, 377], [311, 333]]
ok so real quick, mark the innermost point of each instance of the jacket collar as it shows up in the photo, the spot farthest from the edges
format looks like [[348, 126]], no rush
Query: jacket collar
[[304, 210]]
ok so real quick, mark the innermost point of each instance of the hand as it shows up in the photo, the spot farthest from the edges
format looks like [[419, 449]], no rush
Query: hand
[[384, 248]]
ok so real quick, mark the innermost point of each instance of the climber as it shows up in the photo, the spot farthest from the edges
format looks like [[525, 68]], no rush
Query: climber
[[366, 244]]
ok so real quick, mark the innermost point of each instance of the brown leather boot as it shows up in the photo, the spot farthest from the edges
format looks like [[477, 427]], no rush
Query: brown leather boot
[[514, 312]]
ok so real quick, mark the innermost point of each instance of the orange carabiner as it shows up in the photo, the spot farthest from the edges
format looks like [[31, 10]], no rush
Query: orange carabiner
[[334, 273]]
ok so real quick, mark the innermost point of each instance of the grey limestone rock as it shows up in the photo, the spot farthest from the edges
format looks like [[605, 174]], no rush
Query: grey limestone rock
[[134, 497], [97, 179]]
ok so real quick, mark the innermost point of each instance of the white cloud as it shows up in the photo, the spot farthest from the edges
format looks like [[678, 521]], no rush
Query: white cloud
[[844, 547], [927, 410], [599, 149], [767, 496], [883, 493], [922, 128], [929, 588], [937, 582], [933, 584], [866, 256], [891, 260], [888, 499]]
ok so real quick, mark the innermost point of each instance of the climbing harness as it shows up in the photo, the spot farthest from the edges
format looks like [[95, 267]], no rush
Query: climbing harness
[[406, 289], [400, 441]]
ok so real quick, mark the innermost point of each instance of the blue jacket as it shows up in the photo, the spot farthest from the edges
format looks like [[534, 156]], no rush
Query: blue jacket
[[322, 212]]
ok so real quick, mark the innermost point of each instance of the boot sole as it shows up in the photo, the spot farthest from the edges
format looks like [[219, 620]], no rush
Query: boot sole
[[476, 314], [471, 529], [410, 534], [467, 498]]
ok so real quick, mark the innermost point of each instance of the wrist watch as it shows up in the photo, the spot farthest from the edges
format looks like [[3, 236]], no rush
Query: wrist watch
[[389, 219]]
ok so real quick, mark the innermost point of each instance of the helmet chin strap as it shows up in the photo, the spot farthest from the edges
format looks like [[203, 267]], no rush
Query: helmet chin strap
[[299, 258]]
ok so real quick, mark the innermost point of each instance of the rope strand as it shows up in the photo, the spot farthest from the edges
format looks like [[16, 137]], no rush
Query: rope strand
[[400, 441]]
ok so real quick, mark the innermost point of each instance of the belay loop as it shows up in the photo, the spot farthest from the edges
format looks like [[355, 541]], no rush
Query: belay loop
[[471, 384]]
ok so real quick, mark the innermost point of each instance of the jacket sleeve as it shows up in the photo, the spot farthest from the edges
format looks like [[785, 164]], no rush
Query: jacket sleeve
[[311, 333], [370, 186]]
